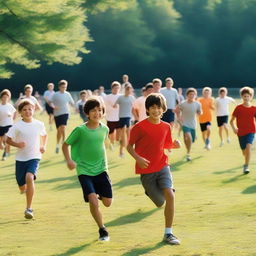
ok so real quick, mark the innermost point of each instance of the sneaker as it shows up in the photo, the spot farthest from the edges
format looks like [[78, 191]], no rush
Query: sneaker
[[57, 150], [188, 158], [228, 140], [171, 239], [103, 234], [222, 143], [246, 169], [29, 214], [208, 147]]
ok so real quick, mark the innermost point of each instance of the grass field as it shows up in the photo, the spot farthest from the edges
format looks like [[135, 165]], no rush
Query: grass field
[[215, 207]]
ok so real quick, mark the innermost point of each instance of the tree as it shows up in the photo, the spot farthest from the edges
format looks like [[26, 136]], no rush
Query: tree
[[48, 31]]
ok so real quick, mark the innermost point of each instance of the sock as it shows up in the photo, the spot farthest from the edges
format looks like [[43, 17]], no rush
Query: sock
[[207, 141], [168, 231], [57, 145]]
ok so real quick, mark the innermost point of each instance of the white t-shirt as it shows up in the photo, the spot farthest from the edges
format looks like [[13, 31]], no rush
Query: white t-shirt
[[112, 114], [30, 134], [139, 104], [32, 98], [222, 105], [6, 114]]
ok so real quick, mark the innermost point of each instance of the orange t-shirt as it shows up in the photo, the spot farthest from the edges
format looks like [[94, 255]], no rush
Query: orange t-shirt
[[207, 107]]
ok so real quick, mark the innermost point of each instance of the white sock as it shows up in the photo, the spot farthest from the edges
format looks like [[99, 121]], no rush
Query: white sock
[[168, 230]]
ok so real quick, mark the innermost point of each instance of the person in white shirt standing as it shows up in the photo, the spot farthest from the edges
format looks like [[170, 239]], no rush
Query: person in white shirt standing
[[7, 114], [29, 137], [222, 113], [60, 101], [172, 100], [47, 97], [139, 109], [112, 114]]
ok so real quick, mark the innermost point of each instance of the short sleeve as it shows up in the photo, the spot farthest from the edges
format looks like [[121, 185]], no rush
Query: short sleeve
[[118, 100], [168, 140], [73, 137], [235, 112], [70, 99], [43, 130], [12, 132], [12, 109], [134, 134]]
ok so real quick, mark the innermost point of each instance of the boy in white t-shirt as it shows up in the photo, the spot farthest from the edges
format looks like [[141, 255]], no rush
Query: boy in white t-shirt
[[29, 136], [222, 113], [7, 114]]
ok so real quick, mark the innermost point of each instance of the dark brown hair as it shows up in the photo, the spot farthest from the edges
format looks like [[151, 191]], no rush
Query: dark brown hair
[[155, 99], [24, 103], [91, 103]]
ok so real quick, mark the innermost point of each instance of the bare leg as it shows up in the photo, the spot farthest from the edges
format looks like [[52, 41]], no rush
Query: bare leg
[[169, 207], [188, 142], [30, 188], [94, 209], [247, 154]]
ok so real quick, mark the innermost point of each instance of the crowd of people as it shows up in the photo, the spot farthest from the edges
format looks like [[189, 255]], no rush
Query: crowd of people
[[142, 126]]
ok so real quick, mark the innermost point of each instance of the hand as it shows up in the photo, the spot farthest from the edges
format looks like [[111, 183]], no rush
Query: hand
[[176, 144], [71, 164], [235, 130], [42, 149], [21, 144], [142, 162]]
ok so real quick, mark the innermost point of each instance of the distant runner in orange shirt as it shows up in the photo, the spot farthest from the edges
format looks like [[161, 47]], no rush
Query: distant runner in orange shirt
[[205, 118]]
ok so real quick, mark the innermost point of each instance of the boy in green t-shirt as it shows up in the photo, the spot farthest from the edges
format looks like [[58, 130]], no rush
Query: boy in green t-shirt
[[88, 156]]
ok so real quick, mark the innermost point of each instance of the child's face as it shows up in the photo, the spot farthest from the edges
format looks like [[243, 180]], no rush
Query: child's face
[[206, 93], [157, 86], [115, 89], [223, 94], [27, 112], [63, 88], [5, 99], [28, 91], [83, 97], [246, 97], [155, 112], [191, 96], [95, 114], [128, 91]]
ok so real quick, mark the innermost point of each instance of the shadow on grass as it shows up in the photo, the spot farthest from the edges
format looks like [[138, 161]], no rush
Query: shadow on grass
[[69, 178], [144, 250], [237, 177], [176, 165], [7, 176], [127, 182], [130, 218], [231, 170], [50, 163], [73, 250], [249, 190]]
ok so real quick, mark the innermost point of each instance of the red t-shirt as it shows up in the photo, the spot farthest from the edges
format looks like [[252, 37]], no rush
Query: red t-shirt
[[245, 119], [150, 141]]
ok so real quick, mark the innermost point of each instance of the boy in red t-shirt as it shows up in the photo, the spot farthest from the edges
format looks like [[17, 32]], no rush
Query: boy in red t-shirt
[[150, 137], [245, 115]]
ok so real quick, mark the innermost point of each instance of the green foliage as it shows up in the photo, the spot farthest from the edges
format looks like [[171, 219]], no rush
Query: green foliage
[[35, 31]]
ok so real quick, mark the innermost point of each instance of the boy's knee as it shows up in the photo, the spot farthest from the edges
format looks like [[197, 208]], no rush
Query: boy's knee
[[93, 199], [29, 177], [107, 202]]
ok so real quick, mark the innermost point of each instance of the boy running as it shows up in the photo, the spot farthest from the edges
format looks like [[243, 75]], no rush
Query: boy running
[[29, 136], [245, 115], [80, 105], [88, 156], [186, 115], [47, 97], [205, 118], [148, 139]]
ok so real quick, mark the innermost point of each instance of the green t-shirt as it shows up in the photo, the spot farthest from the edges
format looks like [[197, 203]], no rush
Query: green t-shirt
[[88, 149]]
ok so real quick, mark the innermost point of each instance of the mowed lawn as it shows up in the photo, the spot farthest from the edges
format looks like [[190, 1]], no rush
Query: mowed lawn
[[215, 207]]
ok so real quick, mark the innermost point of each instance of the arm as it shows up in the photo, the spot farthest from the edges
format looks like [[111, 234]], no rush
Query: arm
[[135, 113], [235, 130], [15, 144], [70, 163], [142, 162], [43, 143]]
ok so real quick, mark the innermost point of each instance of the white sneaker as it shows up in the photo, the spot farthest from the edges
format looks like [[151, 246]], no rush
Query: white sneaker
[[188, 158], [208, 147], [29, 214], [228, 140], [171, 239], [222, 143]]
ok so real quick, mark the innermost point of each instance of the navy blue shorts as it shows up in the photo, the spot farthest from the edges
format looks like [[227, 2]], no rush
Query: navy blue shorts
[[222, 120], [246, 139], [23, 167], [112, 125], [168, 116], [203, 126], [61, 120], [48, 109], [4, 130], [124, 121], [99, 184]]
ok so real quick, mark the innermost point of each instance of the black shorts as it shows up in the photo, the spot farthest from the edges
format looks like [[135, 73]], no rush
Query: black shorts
[[4, 130], [168, 116], [61, 120], [113, 126], [99, 184], [222, 120], [203, 126], [48, 109], [124, 121]]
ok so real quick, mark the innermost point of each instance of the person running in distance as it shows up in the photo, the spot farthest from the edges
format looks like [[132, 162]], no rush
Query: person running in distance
[[222, 112], [112, 114], [125, 80], [147, 142], [47, 97], [205, 119], [29, 137], [125, 103], [7, 115], [28, 90], [80, 105], [186, 114], [91, 161], [139, 109], [60, 101], [245, 128], [157, 84], [172, 99]]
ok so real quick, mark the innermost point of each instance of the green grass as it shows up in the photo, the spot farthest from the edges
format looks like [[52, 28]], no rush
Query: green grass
[[215, 207]]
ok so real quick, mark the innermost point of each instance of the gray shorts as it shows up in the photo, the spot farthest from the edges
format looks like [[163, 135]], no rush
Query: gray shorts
[[154, 183]]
